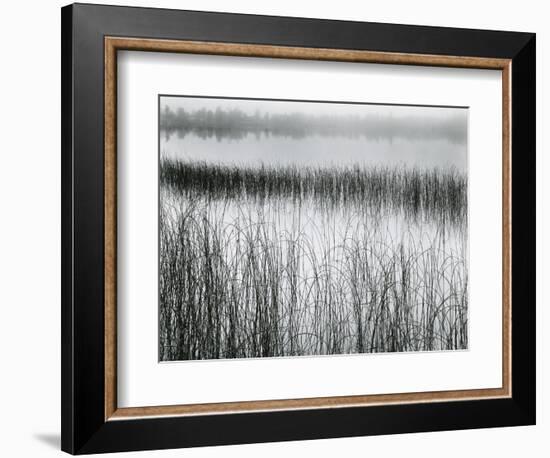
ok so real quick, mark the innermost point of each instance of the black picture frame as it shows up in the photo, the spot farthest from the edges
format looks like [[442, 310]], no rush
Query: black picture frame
[[84, 428]]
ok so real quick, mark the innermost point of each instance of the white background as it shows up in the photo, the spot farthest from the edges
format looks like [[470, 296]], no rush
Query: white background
[[30, 228], [142, 76]]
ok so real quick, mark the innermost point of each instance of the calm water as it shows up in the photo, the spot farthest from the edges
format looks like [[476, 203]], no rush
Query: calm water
[[325, 259], [420, 259], [387, 229], [313, 150]]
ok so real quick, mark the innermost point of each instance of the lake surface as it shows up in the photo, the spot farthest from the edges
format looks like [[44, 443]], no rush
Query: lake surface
[[314, 149], [330, 275], [249, 270]]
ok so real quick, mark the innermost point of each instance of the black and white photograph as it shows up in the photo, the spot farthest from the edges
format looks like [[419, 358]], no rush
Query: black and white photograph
[[305, 228]]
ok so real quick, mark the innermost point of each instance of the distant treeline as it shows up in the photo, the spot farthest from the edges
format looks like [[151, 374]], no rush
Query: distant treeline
[[237, 124]]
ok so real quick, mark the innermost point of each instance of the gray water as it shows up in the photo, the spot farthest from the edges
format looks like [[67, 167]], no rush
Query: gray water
[[313, 150], [340, 254]]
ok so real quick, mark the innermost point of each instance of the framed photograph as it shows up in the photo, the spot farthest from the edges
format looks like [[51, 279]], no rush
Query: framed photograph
[[282, 228]]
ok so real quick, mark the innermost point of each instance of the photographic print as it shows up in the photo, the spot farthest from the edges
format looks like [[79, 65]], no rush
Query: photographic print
[[309, 228]]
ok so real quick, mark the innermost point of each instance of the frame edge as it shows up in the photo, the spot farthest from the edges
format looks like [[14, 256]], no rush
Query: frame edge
[[523, 137], [67, 382]]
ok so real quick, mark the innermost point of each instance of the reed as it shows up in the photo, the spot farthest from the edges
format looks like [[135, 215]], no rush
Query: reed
[[244, 272], [435, 194]]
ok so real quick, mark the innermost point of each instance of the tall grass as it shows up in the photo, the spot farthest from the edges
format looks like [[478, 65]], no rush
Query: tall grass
[[247, 271], [436, 194]]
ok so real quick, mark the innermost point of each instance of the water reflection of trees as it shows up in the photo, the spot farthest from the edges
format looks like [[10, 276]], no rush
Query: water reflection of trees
[[236, 124]]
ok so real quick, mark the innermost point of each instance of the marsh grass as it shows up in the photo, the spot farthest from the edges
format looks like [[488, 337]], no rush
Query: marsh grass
[[436, 195], [246, 271]]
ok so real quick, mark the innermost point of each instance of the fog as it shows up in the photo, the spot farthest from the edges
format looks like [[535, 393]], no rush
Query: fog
[[273, 131]]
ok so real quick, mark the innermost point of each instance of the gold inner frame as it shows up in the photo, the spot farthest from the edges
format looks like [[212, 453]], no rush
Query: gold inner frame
[[114, 44]]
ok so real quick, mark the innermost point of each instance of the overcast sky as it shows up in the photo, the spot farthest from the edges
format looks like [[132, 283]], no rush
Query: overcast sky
[[440, 135]]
